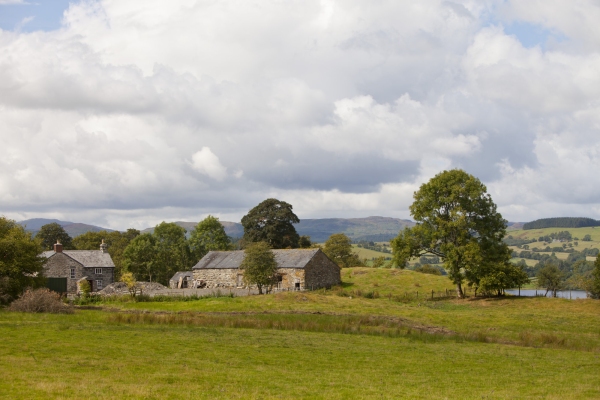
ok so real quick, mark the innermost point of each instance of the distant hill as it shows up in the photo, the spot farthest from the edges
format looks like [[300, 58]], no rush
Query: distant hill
[[72, 228], [511, 226], [376, 229], [563, 222], [319, 230]]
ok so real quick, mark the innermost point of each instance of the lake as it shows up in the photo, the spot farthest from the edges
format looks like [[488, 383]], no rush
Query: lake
[[565, 294]]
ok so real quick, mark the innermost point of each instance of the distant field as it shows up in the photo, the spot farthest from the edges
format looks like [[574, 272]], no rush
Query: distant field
[[368, 254], [594, 232]]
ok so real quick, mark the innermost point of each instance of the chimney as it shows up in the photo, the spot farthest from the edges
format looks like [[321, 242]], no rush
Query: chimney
[[58, 247], [103, 247]]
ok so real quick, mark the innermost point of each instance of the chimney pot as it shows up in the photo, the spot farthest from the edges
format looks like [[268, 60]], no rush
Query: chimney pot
[[58, 248], [103, 247]]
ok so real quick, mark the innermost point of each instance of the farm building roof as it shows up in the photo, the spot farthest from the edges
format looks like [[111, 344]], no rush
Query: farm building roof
[[87, 258], [288, 258]]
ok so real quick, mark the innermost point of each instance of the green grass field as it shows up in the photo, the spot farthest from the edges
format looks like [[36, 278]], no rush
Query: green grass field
[[594, 232], [334, 344]]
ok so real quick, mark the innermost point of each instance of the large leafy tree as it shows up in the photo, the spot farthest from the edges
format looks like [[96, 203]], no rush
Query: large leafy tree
[[139, 257], [259, 265], [20, 262], [172, 251], [339, 249], [116, 242], [457, 221], [271, 221], [551, 278], [208, 235], [49, 234]]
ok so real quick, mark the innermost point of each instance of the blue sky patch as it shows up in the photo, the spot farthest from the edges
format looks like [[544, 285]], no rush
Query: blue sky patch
[[33, 15], [531, 35]]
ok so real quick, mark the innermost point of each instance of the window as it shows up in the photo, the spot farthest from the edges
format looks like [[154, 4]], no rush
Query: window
[[99, 284], [98, 271], [72, 273]]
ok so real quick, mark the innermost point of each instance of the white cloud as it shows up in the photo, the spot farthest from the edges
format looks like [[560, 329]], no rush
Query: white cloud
[[207, 163], [339, 108]]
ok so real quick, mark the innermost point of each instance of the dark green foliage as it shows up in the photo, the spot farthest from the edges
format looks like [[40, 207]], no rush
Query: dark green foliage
[[50, 234], [339, 250], [564, 222], [510, 241], [272, 222], [208, 235], [259, 265], [587, 238], [593, 286], [20, 263], [304, 242], [139, 257], [116, 243], [551, 278], [370, 245]]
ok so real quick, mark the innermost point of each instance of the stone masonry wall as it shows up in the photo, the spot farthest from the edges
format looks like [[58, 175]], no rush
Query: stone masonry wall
[[59, 266], [322, 272], [217, 277]]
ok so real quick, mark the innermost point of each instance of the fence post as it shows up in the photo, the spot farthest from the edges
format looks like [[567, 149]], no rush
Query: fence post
[[432, 294]]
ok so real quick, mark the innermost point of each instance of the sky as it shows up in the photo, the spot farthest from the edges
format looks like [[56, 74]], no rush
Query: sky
[[123, 113]]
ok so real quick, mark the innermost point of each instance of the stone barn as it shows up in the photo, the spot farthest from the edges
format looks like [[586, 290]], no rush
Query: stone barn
[[65, 268], [297, 269], [182, 280]]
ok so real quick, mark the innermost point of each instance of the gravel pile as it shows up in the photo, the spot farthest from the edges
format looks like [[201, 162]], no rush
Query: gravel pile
[[119, 288]]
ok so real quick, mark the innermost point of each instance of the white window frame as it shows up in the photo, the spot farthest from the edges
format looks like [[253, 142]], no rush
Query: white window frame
[[72, 273], [99, 284], [98, 271]]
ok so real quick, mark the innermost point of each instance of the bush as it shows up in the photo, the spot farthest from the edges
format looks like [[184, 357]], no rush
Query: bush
[[40, 301]]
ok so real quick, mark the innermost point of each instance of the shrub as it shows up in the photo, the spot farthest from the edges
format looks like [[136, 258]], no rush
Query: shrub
[[40, 301]]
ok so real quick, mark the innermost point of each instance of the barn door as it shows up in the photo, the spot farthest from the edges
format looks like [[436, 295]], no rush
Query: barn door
[[58, 285]]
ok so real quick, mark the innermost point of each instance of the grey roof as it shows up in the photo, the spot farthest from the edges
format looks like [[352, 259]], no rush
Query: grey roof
[[288, 258], [87, 258], [184, 274]]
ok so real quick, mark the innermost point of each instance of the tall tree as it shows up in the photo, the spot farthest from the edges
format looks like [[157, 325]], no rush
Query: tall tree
[[551, 278], [21, 265], [455, 220], [49, 234], [271, 221], [172, 251], [116, 242], [208, 235], [139, 257], [339, 249], [259, 265]]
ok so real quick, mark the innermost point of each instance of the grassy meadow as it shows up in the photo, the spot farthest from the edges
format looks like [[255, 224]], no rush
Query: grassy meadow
[[370, 338]]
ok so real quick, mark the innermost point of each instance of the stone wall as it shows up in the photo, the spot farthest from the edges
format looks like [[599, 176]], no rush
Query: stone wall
[[322, 272], [218, 277], [59, 266]]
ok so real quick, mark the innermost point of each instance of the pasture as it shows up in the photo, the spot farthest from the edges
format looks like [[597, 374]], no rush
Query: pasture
[[347, 342]]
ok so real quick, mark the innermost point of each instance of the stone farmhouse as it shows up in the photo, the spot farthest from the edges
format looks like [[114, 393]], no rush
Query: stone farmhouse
[[298, 269], [64, 269]]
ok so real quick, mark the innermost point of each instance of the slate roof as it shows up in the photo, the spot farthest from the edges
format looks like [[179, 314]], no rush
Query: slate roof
[[177, 275], [288, 258], [87, 258]]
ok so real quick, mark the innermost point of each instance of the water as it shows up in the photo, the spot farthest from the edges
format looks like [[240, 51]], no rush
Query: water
[[565, 294]]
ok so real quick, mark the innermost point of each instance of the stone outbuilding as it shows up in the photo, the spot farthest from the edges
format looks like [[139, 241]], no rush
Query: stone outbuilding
[[297, 269], [65, 268], [182, 280]]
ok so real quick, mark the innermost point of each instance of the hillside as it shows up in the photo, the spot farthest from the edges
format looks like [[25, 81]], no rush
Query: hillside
[[72, 228], [563, 222]]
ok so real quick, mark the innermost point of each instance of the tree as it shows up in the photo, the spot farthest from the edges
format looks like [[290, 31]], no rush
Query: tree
[[304, 242], [50, 234], [139, 257], [21, 265], [116, 242], [339, 249], [593, 286], [457, 221], [208, 235], [503, 276], [551, 278], [271, 221], [587, 238], [259, 265], [172, 251]]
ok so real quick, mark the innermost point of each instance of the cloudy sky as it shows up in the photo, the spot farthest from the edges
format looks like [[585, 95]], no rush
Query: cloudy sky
[[124, 113]]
